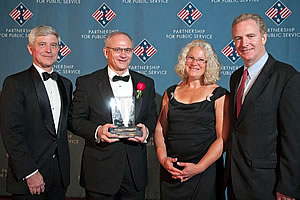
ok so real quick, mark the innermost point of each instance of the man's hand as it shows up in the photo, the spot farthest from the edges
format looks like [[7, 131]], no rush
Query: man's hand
[[36, 184], [144, 136], [280, 196], [106, 136]]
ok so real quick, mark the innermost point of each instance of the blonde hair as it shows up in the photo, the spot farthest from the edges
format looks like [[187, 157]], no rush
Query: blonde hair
[[213, 66], [258, 19]]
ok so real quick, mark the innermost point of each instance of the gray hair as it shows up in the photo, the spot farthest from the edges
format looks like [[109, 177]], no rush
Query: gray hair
[[42, 30], [213, 65], [258, 19]]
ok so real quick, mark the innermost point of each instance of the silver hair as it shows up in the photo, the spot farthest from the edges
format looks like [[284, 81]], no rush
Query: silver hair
[[109, 36], [42, 30]]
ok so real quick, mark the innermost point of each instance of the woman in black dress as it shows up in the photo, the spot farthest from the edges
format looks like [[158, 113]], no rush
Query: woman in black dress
[[193, 128]]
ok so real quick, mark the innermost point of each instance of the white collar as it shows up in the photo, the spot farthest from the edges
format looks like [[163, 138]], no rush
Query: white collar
[[41, 70], [112, 73]]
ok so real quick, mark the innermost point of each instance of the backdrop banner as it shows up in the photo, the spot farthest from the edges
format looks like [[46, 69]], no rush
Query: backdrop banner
[[159, 28]]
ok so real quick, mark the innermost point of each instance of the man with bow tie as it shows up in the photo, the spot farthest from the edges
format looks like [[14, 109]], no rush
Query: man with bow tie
[[113, 168], [35, 108]]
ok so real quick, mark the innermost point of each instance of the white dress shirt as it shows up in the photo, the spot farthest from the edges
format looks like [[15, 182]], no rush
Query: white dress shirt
[[53, 95]]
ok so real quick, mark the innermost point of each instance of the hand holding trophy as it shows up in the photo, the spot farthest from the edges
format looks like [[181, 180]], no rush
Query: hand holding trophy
[[123, 116]]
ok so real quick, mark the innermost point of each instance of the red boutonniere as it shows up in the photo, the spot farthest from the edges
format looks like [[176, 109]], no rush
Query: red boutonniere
[[139, 89]]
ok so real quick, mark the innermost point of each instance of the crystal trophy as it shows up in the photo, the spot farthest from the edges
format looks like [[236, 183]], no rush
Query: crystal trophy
[[123, 116]]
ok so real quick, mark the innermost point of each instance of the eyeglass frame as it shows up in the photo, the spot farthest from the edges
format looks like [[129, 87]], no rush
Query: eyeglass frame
[[120, 50], [198, 60]]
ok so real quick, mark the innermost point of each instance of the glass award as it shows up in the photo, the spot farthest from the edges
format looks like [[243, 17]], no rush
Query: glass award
[[123, 116]]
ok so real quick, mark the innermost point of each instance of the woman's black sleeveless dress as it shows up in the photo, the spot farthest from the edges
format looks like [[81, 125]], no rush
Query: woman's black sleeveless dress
[[191, 131]]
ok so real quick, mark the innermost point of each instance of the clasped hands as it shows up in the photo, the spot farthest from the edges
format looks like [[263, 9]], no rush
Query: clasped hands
[[189, 169], [105, 136]]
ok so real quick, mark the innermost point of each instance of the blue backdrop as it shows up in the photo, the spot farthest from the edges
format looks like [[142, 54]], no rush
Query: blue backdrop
[[162, 27]]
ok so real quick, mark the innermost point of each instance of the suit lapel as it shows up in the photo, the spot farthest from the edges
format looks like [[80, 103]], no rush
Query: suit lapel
[[105, 91], [43, 101], [139, 101], [63, 99], [258, 86]]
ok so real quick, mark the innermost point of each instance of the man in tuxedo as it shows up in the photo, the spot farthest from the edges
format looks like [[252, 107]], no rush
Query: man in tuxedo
[[35, 106], [113, 168], [265, 141]]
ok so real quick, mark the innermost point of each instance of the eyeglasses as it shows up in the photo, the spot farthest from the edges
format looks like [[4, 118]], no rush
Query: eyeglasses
[[198, 60], [119, 50]]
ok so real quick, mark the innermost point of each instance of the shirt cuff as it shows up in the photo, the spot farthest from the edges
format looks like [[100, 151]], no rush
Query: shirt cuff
[[96, 135], [147, 135], [30, 175]]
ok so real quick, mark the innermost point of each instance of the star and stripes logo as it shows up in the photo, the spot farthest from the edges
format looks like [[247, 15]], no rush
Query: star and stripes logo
[[189, 14], [64, 50], [21, 14], [278, 13], [230, 52], [103, 15], [144, 51]]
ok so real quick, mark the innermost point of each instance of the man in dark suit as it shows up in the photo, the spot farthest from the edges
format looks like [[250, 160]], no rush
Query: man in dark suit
[[113, 168], [34, 108], [265, 141]]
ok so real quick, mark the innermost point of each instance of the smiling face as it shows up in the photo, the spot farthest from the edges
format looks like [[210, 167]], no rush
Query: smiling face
[[195, 63], [44, 51], [249, 41], [118, 61]]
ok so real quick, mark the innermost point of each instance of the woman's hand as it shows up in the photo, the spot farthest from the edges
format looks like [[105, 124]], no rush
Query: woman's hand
[[168, 164], [189, 170]]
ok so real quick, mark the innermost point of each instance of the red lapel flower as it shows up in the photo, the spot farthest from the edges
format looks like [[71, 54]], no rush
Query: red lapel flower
[[139, 89]]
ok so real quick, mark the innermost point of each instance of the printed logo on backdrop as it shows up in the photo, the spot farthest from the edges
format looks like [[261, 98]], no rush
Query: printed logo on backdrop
[[189, 14], [103, 15], [67, 68], [230, 52], [64, 50], [21, 14], [278, 13], [144, 51]]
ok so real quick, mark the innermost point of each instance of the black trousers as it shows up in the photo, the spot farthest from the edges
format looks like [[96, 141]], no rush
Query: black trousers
[[127, 190]]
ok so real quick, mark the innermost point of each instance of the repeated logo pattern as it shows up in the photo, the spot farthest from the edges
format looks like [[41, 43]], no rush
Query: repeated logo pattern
[[21, 14], [230, 52], [103, 15], [144, 51], [64, 50], [189, 14], [278, 13]]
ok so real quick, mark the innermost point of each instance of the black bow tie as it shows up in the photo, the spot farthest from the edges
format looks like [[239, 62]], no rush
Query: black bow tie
[[121, 78], [53, 76]]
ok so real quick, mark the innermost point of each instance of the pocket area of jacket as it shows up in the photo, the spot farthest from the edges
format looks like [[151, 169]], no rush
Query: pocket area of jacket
[[263, 164]]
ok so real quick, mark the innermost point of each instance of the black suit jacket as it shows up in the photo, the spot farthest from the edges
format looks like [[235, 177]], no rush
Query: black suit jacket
[[103, 163], [265, 140], [28, 130]]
